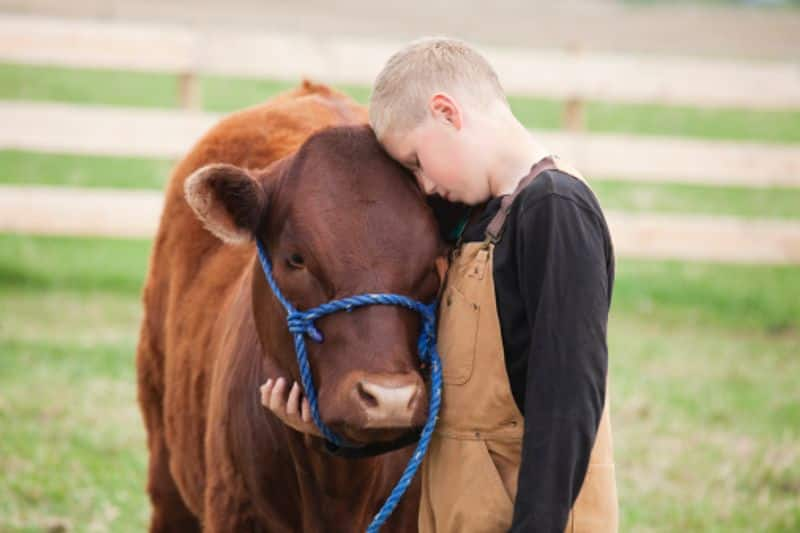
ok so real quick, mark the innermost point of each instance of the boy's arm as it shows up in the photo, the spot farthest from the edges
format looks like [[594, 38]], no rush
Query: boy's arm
[[562, 263]]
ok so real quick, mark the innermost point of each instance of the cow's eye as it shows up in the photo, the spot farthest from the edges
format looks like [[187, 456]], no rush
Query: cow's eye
[[296, 261]]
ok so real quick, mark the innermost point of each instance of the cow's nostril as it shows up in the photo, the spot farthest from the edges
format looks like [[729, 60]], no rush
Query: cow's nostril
[[388, 402], [369, 400]]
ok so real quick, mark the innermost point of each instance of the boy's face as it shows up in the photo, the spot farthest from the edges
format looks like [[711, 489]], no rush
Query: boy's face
[[443, 153]]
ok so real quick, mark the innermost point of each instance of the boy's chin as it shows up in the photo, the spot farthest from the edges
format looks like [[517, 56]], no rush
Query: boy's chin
[[465, 199]]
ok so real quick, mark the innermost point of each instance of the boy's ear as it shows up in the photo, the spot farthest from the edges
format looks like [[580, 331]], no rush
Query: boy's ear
[[228, 200], [444, 108]]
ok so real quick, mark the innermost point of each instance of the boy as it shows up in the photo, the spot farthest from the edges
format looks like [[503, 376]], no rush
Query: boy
[[523, 439]]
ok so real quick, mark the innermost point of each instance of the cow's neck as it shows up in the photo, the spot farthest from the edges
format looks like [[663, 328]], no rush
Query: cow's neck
[[335, 474], [341, 488]]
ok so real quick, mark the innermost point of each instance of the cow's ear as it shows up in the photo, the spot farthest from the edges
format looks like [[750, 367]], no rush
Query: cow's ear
[[228, 200]]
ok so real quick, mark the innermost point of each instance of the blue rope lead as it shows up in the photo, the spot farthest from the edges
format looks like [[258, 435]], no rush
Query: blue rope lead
[[422, 446], [301, 323]]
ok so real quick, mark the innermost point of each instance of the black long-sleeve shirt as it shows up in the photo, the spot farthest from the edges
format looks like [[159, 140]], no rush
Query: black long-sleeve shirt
[[553, 274]]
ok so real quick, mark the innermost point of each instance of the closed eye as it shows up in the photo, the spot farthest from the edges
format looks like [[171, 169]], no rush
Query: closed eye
[[413, 164], [296, 261]]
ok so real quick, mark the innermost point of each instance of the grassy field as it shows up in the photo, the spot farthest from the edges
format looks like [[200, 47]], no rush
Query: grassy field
[[706, 409], [704, 357]]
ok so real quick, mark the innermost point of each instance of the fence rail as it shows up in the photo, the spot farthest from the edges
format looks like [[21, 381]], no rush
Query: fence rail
[[170, 133], [113, 213], [572, 76], [75, 211]]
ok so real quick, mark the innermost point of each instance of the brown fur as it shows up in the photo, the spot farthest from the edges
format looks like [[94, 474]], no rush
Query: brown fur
[[212, 330]]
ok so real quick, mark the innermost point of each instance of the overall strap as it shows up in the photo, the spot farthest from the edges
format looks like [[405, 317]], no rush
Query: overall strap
[[495, 228]]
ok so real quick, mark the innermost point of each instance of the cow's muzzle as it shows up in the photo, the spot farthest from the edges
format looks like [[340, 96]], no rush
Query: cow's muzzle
[[390, 402]]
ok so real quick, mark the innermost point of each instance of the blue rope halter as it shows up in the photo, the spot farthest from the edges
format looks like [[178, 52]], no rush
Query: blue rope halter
[[301, 323]]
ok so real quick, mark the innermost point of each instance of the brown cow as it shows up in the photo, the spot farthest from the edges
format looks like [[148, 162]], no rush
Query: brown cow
[[339, 217]]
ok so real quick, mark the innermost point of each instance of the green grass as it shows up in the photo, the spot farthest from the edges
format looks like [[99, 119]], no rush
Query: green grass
[[229, 94], [72, 451], [32, 168], [142, 89], [87, 86], [703, 358], [706, 424], [78, 264], [763, 298], [775, 202], [723, 124]]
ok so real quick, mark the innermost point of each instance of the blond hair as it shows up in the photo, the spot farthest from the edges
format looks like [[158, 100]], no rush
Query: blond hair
[[423, 67]]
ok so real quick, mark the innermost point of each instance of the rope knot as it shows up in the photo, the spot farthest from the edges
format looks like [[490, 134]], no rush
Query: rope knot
[[300, 324]]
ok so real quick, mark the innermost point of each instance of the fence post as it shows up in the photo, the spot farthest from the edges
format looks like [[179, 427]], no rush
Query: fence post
[[188, 91], [574, 118]]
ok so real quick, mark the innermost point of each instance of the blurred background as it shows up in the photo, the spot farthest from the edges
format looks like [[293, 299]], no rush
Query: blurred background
[[685, 117]]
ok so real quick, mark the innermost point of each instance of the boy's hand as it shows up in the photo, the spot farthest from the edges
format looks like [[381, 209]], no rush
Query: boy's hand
[[293, 411]]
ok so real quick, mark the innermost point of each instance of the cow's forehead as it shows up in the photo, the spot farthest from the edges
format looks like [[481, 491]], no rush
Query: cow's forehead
[[353, 206], [385, 227], [375, 211], [343, 173]]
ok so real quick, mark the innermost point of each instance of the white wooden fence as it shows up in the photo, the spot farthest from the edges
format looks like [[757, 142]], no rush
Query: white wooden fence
[[51, 127], [571, 77], [562, 75], [115, 213]]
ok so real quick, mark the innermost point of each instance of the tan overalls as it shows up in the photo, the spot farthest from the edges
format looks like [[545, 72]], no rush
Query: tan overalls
[[469, 477]]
